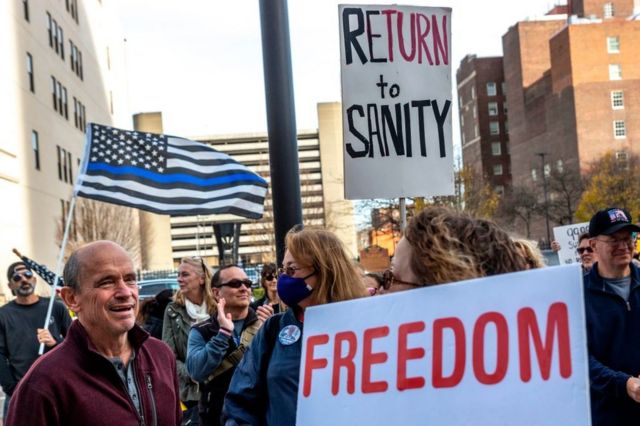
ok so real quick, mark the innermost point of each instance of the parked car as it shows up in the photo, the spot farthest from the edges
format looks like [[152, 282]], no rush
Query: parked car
[[149, 288]]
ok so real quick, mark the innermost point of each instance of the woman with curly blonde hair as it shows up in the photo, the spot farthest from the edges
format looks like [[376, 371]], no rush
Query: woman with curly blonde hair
[[193, 303], [316, 270], [441, 246], [530, 253]]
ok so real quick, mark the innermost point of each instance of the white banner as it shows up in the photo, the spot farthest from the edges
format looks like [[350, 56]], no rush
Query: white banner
[[490, 351], [567, 237], [396, 101]]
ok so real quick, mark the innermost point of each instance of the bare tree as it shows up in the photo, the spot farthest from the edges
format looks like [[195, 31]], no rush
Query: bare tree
[[520, 204], [566, 187], [94, 220]]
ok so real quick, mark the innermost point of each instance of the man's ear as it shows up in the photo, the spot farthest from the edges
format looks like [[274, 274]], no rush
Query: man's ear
[[70, 298], [216, 293]]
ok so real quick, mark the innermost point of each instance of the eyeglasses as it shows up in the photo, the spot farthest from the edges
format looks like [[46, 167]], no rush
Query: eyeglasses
[[581, 250], [236, 283], [628, 241], [388, 280], [291, 271], [19, 275], [268, 277]]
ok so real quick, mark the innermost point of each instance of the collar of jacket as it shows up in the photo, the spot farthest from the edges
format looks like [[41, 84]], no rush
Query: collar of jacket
[[137, 336], [596, 282]]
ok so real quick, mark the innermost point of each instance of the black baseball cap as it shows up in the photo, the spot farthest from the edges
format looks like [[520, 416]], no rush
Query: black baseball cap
[[611, 220]]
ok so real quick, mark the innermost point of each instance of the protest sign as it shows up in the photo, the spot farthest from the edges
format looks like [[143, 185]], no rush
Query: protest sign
[[567, 237], [495, 350], [375, 259], [396, 101]]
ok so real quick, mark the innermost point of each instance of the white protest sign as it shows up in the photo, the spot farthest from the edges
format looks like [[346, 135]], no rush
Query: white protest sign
[[396, 101], [482, 352], [567, 237]]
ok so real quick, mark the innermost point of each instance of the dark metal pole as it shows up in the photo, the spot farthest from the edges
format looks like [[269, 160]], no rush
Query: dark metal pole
[[546, 195], [281, 120]]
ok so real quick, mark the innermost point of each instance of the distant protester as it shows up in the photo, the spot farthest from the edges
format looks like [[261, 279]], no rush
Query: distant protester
[[316, 270], [193, 303], [151, 313], [269, 282]]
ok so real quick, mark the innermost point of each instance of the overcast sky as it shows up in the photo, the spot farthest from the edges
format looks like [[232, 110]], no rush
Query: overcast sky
[[200, 61]]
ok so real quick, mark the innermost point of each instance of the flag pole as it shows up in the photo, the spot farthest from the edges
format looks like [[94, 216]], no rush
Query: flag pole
[[63, 246], [67, 227]]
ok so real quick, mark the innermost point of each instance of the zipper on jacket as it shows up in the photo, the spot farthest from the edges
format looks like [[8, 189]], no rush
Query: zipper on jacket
[[628, 305], [152, 399]]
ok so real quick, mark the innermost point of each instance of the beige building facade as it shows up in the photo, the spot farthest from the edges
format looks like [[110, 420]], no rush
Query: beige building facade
[[62, 67], [322, 191]]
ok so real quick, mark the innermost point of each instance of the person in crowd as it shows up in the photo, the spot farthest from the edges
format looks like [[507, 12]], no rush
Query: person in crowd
[[587, 256], [440, 246], [107, 370], [217, 344], [316, 270], [21, 328], [269, 282], [151, 314], [193, 303], [612, 303], [373, 282], [530, 252]]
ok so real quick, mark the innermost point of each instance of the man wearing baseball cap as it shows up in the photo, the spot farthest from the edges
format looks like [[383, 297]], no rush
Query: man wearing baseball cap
[[612, 301]]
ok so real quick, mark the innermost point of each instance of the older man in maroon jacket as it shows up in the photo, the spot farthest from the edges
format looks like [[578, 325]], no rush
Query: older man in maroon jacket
[[108, 370]]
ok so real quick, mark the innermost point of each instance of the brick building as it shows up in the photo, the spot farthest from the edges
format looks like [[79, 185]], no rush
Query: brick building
[[483, 119]]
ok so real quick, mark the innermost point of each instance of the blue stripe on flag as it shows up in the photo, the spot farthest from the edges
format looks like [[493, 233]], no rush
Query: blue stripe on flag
[[174, 178]]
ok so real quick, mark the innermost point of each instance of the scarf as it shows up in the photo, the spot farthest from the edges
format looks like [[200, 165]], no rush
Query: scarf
[[196, 312]]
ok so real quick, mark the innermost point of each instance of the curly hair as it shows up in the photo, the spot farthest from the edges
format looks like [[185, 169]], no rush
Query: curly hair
[[449, 246], [204, 271], [337, 278], [530, 253]]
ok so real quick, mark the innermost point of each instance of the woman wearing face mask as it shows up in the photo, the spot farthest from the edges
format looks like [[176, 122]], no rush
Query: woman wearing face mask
[[192, 303], [269, 282], [316, 270]]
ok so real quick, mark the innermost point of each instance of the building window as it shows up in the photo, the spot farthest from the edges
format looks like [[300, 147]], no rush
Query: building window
[[462, 119], [547, 170], [475, 130], [475, 111], [503, 86], [72, 8], [69, 163], [35, 145], [617, 99], [496, 149], [493, 108], [499, 189], [506, 126], [65, 106], [65, 165], [559, 166], [534, 175], [497, 170], [32, 86], [56, 36], [25, 9], [613, 44], [492, 89], [59, 94], [494, 128], [609, 12], [75, 58], [619, 129], [615, 72], [79, 115]]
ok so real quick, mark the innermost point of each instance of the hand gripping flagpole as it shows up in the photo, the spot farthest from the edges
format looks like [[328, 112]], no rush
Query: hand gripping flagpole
[[65, 238]]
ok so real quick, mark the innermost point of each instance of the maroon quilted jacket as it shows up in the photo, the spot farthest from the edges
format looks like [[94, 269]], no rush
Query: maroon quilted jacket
[[75, 385]]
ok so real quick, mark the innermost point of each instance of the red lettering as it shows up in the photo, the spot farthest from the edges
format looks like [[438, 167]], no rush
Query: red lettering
[[369, 358], [557, 323], [311, 363], [502, 352], [455, 324], [403, 52], [405, 354], [440, 47], [422, 38], [346, 361], [389, 13]]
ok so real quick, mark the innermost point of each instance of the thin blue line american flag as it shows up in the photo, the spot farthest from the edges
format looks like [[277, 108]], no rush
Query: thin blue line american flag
[[167, 175]]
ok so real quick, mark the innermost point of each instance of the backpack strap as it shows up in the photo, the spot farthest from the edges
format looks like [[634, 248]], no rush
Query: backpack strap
[[233, 359]]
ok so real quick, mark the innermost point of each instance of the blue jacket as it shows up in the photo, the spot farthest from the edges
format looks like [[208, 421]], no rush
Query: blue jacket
[[266, 361], [613, 335]]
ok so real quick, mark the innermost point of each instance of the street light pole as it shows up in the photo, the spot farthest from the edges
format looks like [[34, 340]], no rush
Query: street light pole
[[546, 195]]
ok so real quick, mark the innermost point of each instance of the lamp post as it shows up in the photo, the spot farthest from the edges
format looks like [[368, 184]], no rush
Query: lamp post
[[546, 195]]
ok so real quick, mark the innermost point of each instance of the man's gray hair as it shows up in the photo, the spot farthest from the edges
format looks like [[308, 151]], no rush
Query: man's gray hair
[[71, 273]]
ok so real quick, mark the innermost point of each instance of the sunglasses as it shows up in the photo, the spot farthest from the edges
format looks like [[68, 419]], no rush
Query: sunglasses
[[388, 280], [235, 283], [19, 275], [583, 249], [268, 277]]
